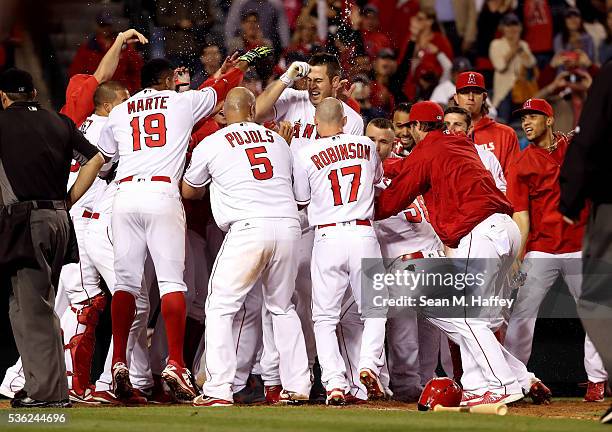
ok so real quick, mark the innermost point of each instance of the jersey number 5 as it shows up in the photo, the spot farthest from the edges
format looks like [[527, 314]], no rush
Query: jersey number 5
[[257, 160], [355, 171], [154, 126]]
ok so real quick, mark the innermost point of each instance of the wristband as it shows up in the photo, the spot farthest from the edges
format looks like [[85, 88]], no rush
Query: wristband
[[284, 78]]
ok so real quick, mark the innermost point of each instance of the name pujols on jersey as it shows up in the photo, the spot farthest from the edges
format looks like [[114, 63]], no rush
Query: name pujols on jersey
[[340, 152]]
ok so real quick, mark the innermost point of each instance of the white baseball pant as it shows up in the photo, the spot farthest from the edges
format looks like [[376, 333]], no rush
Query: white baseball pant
[[542, 270], [336, 265], [253, 249]]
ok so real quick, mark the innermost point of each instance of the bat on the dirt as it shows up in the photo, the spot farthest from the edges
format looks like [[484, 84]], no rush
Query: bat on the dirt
[[497, 409]]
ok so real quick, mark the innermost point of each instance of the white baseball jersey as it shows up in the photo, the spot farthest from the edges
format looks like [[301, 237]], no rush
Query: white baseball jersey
[[91, 128], [408, 231], [250, 169], [336, 175], [151, 131], [491, 163], [295, 106]]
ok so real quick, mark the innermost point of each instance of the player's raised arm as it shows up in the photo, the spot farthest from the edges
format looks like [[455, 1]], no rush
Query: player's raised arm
[[266, 100], [108, 65]]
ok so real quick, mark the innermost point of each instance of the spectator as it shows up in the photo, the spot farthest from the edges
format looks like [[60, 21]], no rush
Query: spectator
[[431, 55], [385, 67], [573, 36], [210, 61], [373, 38], [363, 95], [445, 90], [458, 19], [305, 39], [250, 35], [488, 23], [394, 15], [186, 24], [271, 16], [510, 56], [567, 94], [90, 54], [538, 23], [605, 49], [361, 65]]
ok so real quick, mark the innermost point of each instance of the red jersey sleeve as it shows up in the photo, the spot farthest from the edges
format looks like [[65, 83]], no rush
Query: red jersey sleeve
[[79, 98], [412, 179], [517, 189]]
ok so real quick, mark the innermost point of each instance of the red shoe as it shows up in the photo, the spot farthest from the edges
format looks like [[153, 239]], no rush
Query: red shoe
[[335, 397], [354, 400], [496, 398], [208, 401], [122, 387], [371, 382], [159, 395], [273, 393], [85, 398], [467, 397], [595, 392], [105, 397], [539, 393], [180, 382], [292, 398]]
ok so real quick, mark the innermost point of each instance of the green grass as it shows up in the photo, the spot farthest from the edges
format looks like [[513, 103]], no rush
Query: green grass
[[290, 419]]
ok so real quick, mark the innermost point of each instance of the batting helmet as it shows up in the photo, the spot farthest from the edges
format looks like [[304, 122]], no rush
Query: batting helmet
[[440, 391]]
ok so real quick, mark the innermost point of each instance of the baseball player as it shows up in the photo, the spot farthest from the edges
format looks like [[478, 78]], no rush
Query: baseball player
[[249, 168], [445, 168], [336, 175], [279, 102], [404, 141], [150, 132], [408, 235], [496, 137], [459, 121], [552, 246]]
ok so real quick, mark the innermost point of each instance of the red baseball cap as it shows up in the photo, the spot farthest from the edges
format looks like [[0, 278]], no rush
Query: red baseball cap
[[470, 80], [426, 111], [535, 106]]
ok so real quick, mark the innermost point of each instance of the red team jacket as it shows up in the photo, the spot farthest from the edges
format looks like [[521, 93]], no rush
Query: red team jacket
[[458, 191], [498, 138], [533, 185]]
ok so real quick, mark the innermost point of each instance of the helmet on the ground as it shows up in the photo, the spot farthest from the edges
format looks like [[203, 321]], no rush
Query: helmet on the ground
[[440, 391]]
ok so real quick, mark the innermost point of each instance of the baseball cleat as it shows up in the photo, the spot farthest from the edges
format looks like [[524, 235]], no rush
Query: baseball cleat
[[287, 397], [248, 396], [273, 393], [105, 397], [354, 400], [606, 418], [85, 398], [159, 394], [208, 401], [376, 391], [539, 393], [122, 387], [335, 397], [595, 392], [180, 383], [469, 397], [496, 398]]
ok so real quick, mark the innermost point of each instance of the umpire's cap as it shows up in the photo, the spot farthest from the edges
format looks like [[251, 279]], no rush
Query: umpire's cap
[[16, 81], [154, 70]]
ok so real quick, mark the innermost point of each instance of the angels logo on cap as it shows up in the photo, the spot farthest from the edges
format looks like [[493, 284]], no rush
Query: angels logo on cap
[[472, 78], [527, 104]]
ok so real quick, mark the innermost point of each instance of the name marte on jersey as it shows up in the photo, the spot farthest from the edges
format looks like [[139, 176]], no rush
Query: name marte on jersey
[[340, 152], [248, 137], [157, 102]]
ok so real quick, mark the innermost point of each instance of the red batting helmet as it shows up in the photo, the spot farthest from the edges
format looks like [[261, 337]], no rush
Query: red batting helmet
[[440, 391]]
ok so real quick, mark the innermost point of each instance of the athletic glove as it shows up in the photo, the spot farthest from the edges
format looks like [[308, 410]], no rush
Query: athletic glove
[[296, 71], [255, 54]]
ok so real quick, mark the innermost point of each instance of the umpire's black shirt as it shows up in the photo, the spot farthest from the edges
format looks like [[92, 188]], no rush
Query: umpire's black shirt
[[36, 149]]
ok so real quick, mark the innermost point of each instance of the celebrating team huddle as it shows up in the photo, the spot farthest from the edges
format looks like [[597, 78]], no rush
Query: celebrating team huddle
[[249, 230]]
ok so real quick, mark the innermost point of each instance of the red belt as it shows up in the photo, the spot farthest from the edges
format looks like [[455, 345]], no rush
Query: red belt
[[411, 256], [357, 222], [154, 178], [89, 215]]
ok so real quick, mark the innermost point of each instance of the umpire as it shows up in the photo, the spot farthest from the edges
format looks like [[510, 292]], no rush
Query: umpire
[[36, 149], [586, 175]]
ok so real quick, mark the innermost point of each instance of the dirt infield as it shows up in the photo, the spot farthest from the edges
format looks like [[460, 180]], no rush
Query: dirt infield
[[569, 408]]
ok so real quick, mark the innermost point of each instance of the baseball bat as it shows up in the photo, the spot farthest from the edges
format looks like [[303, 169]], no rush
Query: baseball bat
[[497, 409]]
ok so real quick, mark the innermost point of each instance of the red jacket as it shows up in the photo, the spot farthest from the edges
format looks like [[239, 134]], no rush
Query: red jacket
[[90, 54], [458, 191], [533, 186], [498, 138]]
